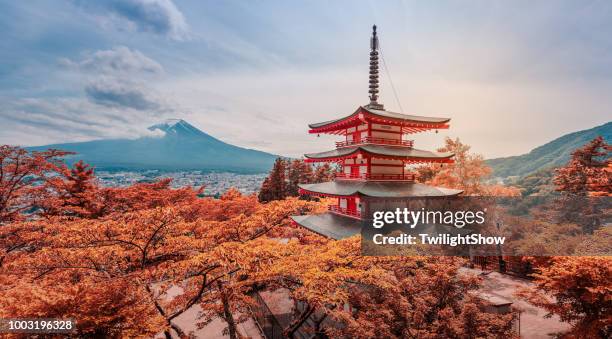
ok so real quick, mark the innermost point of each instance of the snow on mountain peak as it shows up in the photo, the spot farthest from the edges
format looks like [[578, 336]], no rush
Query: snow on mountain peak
[[172, 122], [179, 127]]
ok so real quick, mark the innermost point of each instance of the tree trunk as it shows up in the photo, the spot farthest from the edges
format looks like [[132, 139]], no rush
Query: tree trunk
[[299, 321], [227, 313]]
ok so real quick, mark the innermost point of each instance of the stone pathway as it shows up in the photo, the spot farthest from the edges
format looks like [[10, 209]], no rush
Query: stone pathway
[[533, 323]]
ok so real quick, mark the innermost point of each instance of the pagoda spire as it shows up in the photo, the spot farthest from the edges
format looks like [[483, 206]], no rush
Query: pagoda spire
[[374, 71]]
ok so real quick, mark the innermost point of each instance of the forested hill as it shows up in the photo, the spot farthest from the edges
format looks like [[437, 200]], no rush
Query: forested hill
[[552, 154]]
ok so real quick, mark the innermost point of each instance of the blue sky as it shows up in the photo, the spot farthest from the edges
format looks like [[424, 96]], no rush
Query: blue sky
[[511, 74]]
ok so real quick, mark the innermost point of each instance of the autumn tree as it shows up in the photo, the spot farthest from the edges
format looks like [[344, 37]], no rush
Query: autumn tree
[[21, 176], [72, 192], [588, 171], [298, 172], [577, 289], [345, 294], [323, 173], [582, 182], [129, 261], [148, 253], [468, 172]]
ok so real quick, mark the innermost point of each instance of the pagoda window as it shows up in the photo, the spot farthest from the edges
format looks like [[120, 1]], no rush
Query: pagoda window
[[342, 202], [387, 170], [364, 135], [358, 204], [386, 128], [393, 162], [363, 127]]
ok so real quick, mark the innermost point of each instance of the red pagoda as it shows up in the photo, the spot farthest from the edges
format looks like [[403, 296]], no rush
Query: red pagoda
[[374, 158]]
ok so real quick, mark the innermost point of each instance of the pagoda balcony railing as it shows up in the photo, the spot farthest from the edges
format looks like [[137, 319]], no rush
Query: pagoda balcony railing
[[375, 140], [344, 211], [382, 177]]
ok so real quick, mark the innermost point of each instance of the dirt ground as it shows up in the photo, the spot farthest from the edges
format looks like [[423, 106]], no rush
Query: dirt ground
[[533, 323]]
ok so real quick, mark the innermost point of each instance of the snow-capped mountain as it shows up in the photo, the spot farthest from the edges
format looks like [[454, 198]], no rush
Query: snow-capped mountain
[[178, 145]]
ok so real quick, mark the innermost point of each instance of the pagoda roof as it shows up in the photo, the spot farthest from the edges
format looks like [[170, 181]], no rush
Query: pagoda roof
[[329, 225], [339, 227], [378, 189], [385, 116], [384, 151]]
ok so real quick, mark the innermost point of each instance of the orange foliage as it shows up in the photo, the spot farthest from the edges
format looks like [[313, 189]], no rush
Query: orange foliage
[[468, 173], [589, 172], [21, 176], [578, 290], [383, 297], [111, 258]]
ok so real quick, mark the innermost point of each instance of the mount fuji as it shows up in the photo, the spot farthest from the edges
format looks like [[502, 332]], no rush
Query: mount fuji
[[177, 146]]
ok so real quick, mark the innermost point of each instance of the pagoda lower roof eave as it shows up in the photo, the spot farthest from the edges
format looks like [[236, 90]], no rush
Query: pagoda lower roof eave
[[329, 225], [339, 227], [377, 189], [381, 151]]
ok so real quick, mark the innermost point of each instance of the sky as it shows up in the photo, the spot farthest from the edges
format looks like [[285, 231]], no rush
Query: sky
[[512, 75]]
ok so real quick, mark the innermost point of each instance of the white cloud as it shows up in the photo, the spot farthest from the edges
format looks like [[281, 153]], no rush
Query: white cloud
[[52, 120], [155, 16], [118, 60]]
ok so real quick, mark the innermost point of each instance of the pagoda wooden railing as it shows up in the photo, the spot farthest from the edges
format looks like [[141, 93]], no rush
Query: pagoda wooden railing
[[344, 211], [367, 176], [375, 140]]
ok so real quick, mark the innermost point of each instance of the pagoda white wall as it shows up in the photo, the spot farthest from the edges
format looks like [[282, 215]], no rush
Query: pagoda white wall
[[395, 169], [386, 135], [386, 170], [378, 161], [387, 127], [362, 127]]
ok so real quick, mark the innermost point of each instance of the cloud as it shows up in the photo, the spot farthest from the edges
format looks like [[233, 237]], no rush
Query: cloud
[[116, 93], [155, 16], [119, 59], [117, 78], [154, 133], [44, 120]]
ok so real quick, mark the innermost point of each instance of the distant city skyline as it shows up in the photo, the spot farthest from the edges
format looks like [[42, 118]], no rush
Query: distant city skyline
[[511, 75]]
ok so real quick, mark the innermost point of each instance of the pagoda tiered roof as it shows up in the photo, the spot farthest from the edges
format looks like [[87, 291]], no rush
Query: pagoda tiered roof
[[408, 154], [330, 225], [409, 123], [377, 189], [339, 227]]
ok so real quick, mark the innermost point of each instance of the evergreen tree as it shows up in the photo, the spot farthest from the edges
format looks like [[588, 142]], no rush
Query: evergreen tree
[[298, 172], [274, 186], [285, 177], [588, 172]]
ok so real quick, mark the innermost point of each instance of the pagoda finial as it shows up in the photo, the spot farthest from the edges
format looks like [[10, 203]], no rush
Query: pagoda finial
[[374, 71]]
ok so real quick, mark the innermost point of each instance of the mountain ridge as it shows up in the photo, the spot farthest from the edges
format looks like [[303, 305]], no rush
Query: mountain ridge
[[552, 154], [180, 146]]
